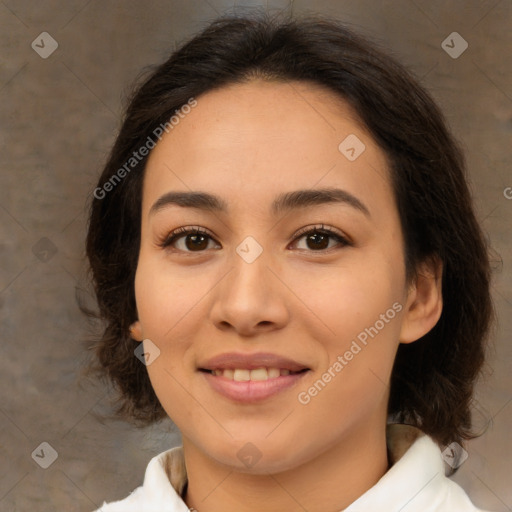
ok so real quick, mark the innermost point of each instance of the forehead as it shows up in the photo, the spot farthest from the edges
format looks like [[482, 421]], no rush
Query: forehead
[[249, 141]]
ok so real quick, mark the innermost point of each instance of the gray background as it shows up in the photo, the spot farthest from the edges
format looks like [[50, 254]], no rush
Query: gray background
[[60, 116]]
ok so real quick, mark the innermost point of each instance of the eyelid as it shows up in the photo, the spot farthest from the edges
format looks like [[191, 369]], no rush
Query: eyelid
[[322, 228], [178, 233], [183, 231]]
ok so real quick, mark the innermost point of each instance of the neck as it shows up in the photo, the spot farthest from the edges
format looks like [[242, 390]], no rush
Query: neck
[[330, 482]]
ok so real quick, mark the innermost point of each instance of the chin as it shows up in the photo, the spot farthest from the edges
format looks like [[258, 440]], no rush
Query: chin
[[257, 457]]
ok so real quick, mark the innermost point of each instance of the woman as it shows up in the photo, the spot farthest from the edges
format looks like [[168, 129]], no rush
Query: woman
[[288, 264]]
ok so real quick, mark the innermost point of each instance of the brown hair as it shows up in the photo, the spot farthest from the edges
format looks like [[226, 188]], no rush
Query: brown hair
[[432, 382]]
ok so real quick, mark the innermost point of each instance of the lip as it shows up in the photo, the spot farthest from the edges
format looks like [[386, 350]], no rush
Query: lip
[[251, 391], [234, 360]]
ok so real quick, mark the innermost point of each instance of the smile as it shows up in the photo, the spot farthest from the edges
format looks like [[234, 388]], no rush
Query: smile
[[251, 377]]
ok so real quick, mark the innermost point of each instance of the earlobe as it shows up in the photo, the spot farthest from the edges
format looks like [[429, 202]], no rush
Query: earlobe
[[136, 331], [424, 302]]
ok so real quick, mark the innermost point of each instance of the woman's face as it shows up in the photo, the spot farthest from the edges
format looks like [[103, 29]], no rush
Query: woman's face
[[260, 288]]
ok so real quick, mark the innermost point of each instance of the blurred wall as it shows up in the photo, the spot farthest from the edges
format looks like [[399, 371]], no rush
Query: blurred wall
[[59, 114]]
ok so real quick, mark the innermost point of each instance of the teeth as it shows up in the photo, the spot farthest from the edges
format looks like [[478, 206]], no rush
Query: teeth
[[229, 374], [244, 375], [259, 374], [273, 373]]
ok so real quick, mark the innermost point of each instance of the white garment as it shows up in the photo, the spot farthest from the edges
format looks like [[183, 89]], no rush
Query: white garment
[[416, 481]]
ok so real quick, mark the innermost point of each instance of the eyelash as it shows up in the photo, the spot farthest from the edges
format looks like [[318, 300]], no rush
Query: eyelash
[[197, 230]]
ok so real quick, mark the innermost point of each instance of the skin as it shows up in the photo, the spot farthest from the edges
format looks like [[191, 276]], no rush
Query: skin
[[247, 143]]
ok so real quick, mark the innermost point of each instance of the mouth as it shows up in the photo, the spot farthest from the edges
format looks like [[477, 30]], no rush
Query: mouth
[[249, 378]]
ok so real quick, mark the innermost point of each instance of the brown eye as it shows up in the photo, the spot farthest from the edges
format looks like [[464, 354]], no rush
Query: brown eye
[[319, 239], [188, 240], [195, 242]]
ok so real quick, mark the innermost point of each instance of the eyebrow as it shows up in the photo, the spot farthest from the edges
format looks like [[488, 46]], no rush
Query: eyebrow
[[284, 202]]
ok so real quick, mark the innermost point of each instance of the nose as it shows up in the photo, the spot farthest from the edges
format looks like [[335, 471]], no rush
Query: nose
[[251, 298]]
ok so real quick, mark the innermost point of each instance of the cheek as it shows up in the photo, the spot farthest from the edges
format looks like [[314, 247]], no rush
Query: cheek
[[348, 298], [164, 300], [353, 381], [360, 311], [165, 306]]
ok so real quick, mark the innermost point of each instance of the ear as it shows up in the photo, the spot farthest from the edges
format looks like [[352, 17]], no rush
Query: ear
[[424, 301], [136, 331]]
